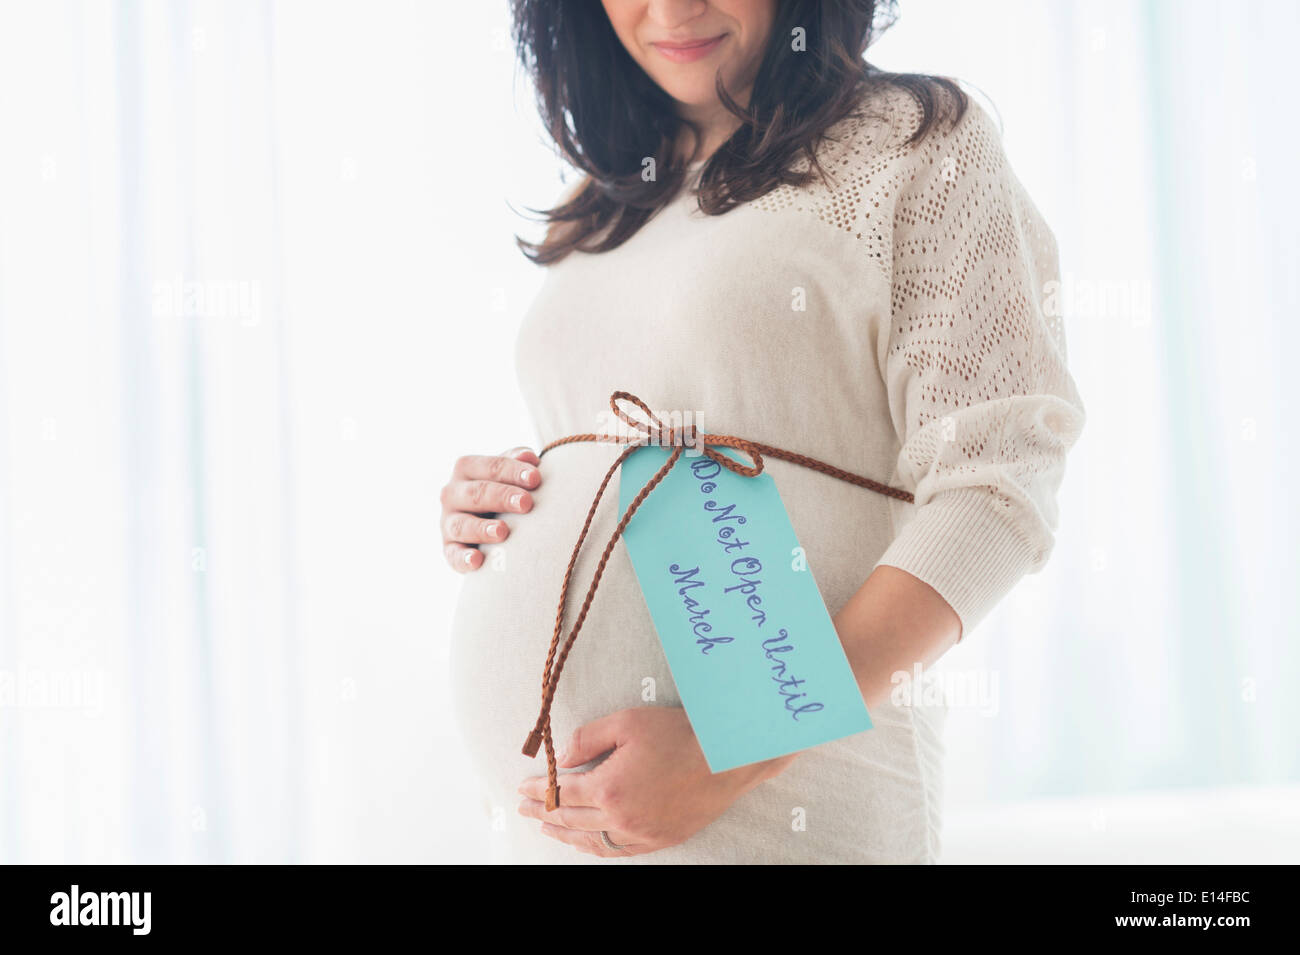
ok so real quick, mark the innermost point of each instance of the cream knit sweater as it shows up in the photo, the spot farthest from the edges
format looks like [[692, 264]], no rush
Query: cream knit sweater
[[890, 322]]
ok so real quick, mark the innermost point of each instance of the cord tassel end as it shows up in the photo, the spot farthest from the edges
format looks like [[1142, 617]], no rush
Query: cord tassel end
[[532, 744]]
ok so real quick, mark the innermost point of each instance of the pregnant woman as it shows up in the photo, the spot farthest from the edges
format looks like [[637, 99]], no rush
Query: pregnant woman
[[791, 246]]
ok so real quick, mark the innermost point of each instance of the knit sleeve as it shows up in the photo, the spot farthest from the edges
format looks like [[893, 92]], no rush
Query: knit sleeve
[[975, 368]]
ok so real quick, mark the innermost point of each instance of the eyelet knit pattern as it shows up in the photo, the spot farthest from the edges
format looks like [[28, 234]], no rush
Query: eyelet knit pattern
[[976, 360]]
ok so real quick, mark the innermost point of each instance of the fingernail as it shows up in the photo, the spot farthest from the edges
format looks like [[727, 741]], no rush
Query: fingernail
[[563, 757], [516, 501], [469, 557], [526, 475], [492, 530]]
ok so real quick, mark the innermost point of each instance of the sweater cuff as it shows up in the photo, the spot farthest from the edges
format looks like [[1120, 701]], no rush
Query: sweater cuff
[[965, 544]]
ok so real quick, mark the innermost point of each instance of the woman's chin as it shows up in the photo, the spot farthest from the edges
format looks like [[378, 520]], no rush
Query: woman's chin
[[694, 93]]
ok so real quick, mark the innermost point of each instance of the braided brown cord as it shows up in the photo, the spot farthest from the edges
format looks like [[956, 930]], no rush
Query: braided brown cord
[[568, 576], [651, 431], [548, 689], [542, 730]]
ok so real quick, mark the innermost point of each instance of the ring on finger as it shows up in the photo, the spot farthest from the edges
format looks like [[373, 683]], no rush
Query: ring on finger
[[610, 843]]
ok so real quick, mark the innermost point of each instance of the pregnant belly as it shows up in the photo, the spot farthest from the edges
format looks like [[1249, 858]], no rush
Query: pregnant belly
[[506, 613]]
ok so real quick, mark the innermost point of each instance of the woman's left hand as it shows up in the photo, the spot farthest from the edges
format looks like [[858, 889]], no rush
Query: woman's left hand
[[654, 791]]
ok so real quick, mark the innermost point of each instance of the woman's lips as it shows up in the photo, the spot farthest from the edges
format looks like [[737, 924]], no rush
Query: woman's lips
[[691, 51]]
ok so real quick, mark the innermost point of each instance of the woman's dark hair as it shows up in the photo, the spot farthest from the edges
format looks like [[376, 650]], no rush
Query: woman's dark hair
[[607, 116]]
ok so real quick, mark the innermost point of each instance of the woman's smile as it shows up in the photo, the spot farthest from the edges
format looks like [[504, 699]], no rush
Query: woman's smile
[[686, 47], [688, 51]]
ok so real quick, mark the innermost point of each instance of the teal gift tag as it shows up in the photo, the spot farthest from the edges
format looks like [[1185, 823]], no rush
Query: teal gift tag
[[751, 646]]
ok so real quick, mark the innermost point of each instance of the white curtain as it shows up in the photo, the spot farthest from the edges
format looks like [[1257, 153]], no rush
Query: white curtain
[[149, 628], [258, 289]]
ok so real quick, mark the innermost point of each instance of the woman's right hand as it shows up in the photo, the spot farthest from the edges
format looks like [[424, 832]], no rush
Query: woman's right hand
[[481, 488]]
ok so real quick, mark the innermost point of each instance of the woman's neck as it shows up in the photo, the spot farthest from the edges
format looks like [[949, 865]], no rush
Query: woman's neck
[[711, 126]]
